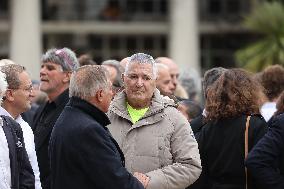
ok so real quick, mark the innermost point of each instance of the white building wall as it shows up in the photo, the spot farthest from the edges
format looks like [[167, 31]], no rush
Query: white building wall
[[184, 37], [25, 35]]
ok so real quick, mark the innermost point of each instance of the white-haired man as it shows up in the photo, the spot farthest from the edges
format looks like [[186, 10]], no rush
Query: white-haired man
[[154, 136], [18, 100], [16, 171], [164, 82], [82, 151]]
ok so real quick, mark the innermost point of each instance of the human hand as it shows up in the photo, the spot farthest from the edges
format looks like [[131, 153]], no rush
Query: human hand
[[144, 179]]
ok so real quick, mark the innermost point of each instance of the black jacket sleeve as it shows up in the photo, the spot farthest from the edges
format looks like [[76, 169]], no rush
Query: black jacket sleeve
[[112, 173], [263, 160]]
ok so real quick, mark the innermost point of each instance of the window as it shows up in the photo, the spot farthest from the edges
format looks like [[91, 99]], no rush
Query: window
[[4, 9], [219, 49], [107, 10], [230, 10], [103, 47]]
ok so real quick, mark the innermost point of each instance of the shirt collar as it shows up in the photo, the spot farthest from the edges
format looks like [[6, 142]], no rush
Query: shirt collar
[[62, 98], [4, 112]]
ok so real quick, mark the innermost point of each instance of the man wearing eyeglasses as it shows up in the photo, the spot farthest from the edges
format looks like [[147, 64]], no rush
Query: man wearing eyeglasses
[[17, 99], [56, 69]]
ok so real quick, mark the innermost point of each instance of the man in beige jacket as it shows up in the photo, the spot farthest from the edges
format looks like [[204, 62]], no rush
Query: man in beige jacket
[[154, 136]]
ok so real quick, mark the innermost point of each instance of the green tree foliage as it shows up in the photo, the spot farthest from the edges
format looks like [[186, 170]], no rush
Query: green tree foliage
[[266, 19]]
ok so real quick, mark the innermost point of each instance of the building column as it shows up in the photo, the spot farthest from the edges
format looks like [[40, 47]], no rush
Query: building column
[[184, 34], [25, 37]]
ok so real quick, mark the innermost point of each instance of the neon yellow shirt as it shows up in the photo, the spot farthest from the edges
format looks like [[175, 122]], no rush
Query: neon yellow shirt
[[135, 114]]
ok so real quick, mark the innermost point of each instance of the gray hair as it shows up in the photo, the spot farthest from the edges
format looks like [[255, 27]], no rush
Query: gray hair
[[12, 72], [87, 80], [116, 64], [142, 58], [160, 67], [64, 57], [210, 76], [3, 85], [190, 80], [5, 62]]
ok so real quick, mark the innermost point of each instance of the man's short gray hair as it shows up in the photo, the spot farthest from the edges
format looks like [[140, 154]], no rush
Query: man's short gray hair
[[210, 76], [64, 57], [12, 72], [142, 58], [115, 64], [87, 80]]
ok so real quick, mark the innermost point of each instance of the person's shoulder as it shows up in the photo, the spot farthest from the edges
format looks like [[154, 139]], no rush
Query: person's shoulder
[[257, 120], [197, 123], [172, 112], [280, 117], [278, 121], [10, 122]]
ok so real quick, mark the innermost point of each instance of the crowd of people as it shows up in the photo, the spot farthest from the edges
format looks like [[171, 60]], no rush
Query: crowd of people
[[132, 124]]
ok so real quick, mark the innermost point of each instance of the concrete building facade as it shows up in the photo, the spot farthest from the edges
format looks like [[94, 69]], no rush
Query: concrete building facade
[[197, 34]]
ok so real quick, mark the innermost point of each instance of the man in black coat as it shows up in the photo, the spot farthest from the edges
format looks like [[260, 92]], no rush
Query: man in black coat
[[266, 160], [56, 69], [83, 153]]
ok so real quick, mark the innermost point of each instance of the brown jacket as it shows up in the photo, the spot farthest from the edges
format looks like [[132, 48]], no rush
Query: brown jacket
[[161, 144]]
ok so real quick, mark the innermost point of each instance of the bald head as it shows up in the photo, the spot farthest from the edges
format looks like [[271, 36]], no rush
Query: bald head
[[173, 68], [123, 63], [164, 82]]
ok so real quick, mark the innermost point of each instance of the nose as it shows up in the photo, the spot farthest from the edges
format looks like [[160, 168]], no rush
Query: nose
[[139, 82], [172, 87], [42, 70], [174, 81], [32, 93]]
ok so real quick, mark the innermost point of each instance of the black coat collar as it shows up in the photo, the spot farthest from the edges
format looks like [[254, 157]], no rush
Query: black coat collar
[[63, 97], [90, 109]]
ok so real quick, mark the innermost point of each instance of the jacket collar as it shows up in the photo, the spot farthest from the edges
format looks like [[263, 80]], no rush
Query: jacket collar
[[63, 97], [158, 103], [89, 109]]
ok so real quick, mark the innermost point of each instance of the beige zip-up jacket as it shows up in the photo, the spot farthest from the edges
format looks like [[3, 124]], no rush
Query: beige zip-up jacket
[[161, 144]]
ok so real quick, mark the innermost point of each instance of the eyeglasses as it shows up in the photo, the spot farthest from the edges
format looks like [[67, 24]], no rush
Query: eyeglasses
[[27, 89]]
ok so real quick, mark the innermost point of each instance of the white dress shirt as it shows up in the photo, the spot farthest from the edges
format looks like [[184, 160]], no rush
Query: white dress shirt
[[268, 109], [5, 170], [29, 144]]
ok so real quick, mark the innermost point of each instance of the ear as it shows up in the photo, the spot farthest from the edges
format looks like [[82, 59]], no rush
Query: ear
[[9, 95], [100, 95], [67, 76]]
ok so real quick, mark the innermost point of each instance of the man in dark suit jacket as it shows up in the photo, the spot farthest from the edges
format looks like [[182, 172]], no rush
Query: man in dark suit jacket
[[83, 153], [266, 160], [56, 69]]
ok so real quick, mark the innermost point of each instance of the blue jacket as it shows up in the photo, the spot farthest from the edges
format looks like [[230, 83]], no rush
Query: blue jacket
[[265, 162], [83, 153]]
